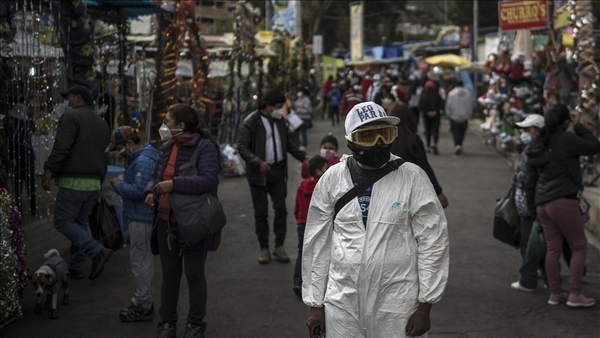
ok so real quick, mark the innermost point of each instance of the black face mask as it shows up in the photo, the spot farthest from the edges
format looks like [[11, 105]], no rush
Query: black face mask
[[374, 157]]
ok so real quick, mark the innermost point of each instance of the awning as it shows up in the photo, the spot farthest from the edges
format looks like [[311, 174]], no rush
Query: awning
[[124, 8]]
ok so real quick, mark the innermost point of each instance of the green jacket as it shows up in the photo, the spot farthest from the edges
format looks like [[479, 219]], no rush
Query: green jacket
[[78, 151]]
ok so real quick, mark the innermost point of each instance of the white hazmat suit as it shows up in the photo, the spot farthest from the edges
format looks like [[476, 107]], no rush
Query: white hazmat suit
[[371, 279]]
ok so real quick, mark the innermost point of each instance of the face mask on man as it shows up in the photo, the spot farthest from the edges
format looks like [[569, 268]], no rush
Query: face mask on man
[[374, 157], [356, 88], [165, 132], [300, 94], [277, 113], [525, 138]]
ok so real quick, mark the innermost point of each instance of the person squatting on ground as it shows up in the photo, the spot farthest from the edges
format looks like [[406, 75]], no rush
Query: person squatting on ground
[[329, 148], [430, 105], [335, 97], [553, 181], [374, 269], [459, 109], [317, 167], [183, 138], [78, 165], [302, 108], [141, 160], [530, 129], [409, 145], [263, 143]]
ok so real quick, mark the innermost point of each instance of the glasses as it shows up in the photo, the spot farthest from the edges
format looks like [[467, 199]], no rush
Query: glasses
[[368, 137]]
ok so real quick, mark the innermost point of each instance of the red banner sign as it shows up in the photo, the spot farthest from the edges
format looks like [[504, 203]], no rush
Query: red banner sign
[[514, 15]]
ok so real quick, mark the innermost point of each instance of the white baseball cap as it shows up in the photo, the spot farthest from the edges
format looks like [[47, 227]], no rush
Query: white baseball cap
[[367, 112], [533, 120], [376, 77]]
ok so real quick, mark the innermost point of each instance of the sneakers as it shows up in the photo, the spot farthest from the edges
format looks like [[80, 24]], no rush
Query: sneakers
[[297, 288], [434, 149], [280, 254], [76, 274], [517, 286], [264, 257], [302, 148], [457, 150], [98, 263], [194, 331], [137, 313], [580, 300], [167, 330], [557, 298]]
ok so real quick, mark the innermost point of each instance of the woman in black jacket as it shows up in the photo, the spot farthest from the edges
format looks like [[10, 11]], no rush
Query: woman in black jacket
[[409, 146], [431, 104], [553, 182]]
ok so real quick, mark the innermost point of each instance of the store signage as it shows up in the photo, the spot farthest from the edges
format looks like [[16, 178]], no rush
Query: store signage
[[317, 44], [356, 30], [515, 15]]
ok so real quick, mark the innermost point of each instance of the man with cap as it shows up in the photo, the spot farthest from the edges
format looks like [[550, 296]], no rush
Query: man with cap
[[78, 165], [351, 97], [140, 164], [263, 143], [375, 268]]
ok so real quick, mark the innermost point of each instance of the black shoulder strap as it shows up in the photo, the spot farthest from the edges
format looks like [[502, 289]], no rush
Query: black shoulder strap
[[369, 181]]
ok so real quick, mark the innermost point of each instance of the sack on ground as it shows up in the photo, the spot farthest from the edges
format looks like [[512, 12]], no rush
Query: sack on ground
[[105, 226], [506, 220], [536, 245], [307, 123]]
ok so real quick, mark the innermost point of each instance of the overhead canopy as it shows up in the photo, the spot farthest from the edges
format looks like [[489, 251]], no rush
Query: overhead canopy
[[123, 8], [447, 60]]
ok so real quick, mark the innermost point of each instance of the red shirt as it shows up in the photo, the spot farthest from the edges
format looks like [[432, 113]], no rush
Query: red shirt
[[326, 87], [303, 196]]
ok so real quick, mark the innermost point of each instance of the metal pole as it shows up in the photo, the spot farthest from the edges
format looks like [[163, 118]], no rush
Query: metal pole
[[445, 13], [267, 15], [475, 30], [298, 19]]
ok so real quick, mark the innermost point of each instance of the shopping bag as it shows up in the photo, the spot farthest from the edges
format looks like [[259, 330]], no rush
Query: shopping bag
[[506, 220], [105, 227], [536, 245]]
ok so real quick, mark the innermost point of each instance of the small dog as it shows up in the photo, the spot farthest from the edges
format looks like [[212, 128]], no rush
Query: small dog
[[51, 276]]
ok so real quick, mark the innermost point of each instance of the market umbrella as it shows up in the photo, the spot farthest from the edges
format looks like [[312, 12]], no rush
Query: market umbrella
[[447, 60]]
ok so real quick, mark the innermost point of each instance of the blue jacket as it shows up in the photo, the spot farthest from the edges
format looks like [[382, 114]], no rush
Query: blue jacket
[[140, 165]]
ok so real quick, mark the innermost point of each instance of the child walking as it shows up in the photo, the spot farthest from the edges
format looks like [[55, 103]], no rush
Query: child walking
[[316, 166], [329, 148]]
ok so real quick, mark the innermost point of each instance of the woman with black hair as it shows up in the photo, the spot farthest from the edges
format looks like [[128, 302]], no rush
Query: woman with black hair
[[183, 138], [409, 145], [552, 186], [431, 105]]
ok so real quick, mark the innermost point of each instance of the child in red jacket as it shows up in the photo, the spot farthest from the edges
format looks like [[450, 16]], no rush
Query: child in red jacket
[[317, 165]]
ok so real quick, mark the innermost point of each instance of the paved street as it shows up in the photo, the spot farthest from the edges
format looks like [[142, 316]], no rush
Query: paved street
[[251, 300]]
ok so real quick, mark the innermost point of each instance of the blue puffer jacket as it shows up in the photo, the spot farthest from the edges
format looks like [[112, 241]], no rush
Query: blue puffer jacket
[[140, 165]]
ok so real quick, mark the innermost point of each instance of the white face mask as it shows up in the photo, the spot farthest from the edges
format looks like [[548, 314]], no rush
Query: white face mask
[[300, 94], [165, 132], [123, 152], [356, 88], [277, 113]]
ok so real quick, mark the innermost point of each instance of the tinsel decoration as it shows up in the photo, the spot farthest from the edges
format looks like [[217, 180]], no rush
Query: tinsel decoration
[[13, 258], [589, 74]]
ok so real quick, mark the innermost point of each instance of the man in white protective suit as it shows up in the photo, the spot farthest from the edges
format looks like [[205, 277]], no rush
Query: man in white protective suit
[[374, 269]]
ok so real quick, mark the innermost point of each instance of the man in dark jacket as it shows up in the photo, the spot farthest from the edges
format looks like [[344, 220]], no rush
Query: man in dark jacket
[[78, 163], [264, 143]]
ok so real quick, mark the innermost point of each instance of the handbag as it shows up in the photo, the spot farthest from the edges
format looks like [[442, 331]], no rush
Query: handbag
[[506, 220], [584, 206], [198, 216], [536, 245], [105, 226], [364, 184], [307, 123]]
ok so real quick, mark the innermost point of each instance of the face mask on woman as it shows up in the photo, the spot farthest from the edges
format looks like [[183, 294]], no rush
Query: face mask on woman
[[300, 94], [525, 138], [165, 132], [277, 113]]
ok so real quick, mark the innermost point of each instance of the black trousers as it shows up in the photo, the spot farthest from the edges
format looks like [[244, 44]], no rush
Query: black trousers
[[432, 128], [276, 187], [173, 263], [417, 114], [334, 114], [325, 106], [458, 131], [24, 176]]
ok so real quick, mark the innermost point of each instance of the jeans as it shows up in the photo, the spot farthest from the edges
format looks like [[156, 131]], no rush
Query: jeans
[[528, 269], [432, 128], [298, 268], [300, 131], [71, 212], [174, 262], [142, 261], [325, 107], [559, 218], [276, 187], [458, 131]]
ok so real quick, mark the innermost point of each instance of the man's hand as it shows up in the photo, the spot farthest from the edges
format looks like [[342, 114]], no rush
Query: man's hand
[[114, 180], [419, 322], [264, 167], [149, 201], [164, 187], [443, 200], [316, 317], [431, 113], [46, 180]]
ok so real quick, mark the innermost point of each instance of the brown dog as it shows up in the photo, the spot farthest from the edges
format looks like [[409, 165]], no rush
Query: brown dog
[[51, 276]]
